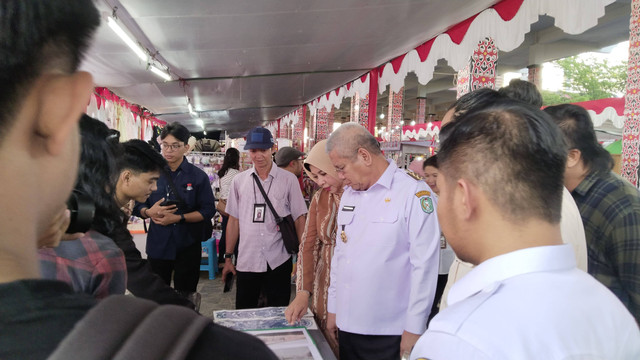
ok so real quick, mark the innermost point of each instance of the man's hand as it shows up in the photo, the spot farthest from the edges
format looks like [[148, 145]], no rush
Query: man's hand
[[407, 342], [297, 308], [55, 232], [332, 328], [167, 218], [158, 211], [228, 267]]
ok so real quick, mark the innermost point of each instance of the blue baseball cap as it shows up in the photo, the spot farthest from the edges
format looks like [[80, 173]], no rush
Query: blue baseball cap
[[259, 138]]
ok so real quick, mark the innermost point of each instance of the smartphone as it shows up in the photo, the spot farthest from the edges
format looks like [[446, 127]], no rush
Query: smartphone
[[169, 203], [228, 282]]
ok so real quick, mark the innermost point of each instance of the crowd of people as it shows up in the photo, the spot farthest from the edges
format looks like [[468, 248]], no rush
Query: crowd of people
[[519, 243]]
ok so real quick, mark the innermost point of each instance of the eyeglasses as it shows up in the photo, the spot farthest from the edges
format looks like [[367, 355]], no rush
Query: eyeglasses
[[170, 146]]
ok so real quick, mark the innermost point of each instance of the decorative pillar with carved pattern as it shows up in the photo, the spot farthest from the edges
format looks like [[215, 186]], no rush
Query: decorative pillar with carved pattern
[[298, 130], [396, 105], [355, 107], [631, 130], [360, 114], [421, 110], [481, 71], [323, 118], [534, 75]]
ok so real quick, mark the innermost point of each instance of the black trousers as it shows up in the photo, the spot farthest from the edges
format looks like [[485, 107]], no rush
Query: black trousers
[[276, 283], [185, 268], [368, 347]]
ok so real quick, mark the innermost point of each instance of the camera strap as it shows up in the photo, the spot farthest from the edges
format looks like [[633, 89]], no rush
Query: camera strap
[[175, 191]]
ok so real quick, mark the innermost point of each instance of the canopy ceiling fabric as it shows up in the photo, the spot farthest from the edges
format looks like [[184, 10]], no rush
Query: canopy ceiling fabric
[[506, 22], [244, 63]]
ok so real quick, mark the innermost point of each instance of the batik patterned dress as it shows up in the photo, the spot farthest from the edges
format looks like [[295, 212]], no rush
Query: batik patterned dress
[[316, 250]]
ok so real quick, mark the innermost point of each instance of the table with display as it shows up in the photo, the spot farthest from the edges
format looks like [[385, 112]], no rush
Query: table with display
[[302, 341]]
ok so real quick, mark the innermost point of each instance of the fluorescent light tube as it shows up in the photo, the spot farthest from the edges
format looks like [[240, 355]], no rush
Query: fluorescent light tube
[[161, 73], [127, 39]]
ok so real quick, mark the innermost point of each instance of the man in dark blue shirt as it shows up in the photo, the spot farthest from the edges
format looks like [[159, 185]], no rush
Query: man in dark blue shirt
[[179, 210]]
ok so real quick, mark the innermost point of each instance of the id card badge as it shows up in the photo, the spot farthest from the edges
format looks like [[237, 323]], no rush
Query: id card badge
[[258, 212]]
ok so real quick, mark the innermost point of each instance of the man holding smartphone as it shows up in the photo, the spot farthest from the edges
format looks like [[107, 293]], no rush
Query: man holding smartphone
[[179, 210]]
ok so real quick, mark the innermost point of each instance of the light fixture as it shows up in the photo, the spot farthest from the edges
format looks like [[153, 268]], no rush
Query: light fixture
[[127, 39], [413, 123], [356, 107], [382, 116], [402, 122], [397, 127], [163, 74], [200, 122], [204, 132]]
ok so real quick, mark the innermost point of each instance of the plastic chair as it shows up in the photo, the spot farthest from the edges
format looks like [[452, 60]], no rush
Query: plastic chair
[[210, 262]]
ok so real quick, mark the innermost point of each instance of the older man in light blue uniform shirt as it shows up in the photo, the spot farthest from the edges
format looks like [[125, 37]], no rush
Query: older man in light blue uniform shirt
[[385, 264]]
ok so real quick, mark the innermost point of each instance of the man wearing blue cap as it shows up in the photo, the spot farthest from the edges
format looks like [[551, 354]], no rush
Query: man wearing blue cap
[[263, 261]]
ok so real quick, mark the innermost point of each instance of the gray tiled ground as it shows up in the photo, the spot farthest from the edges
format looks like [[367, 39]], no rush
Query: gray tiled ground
[[214, 299]]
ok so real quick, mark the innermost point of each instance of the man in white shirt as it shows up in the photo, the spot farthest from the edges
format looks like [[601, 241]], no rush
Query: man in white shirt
[[570, 224], [263, 262], [384, 268], [525, 299]]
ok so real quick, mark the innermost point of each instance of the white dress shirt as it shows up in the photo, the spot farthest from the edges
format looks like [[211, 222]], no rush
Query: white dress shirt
[[572, 231], [383, 279], [531, 304]]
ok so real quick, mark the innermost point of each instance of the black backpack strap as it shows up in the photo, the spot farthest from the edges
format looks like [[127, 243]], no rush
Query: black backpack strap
[[266, 198], [183, 204], [124, 327]]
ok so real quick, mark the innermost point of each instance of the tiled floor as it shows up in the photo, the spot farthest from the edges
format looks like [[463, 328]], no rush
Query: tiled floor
[[214, 299]]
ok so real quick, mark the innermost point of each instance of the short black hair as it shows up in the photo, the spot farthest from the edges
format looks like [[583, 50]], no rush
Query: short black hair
[[514, 153], [139, 157], [36, 37], [176, 130], [523, 91], [431, 161], [577, 128], [474, 99]]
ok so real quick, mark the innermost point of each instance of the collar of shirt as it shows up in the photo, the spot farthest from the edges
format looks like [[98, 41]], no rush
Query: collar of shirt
[[585, 185], [492, 272], [273, 172], [384, 180], [184, 166]]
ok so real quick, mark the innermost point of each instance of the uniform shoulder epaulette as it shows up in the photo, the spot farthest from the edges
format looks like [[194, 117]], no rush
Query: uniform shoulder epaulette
[[414, 175]]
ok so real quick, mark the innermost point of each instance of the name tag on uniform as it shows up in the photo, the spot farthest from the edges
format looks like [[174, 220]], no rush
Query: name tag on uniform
[[348, 208]]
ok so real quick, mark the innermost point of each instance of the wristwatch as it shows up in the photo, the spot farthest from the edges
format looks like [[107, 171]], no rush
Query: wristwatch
[[182, 218], [227, 255]]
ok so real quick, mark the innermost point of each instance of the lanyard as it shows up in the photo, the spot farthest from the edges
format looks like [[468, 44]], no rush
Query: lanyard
[[255, 199]]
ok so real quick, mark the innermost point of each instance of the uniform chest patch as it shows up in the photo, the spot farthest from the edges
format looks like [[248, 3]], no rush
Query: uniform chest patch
[[427, 204]]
